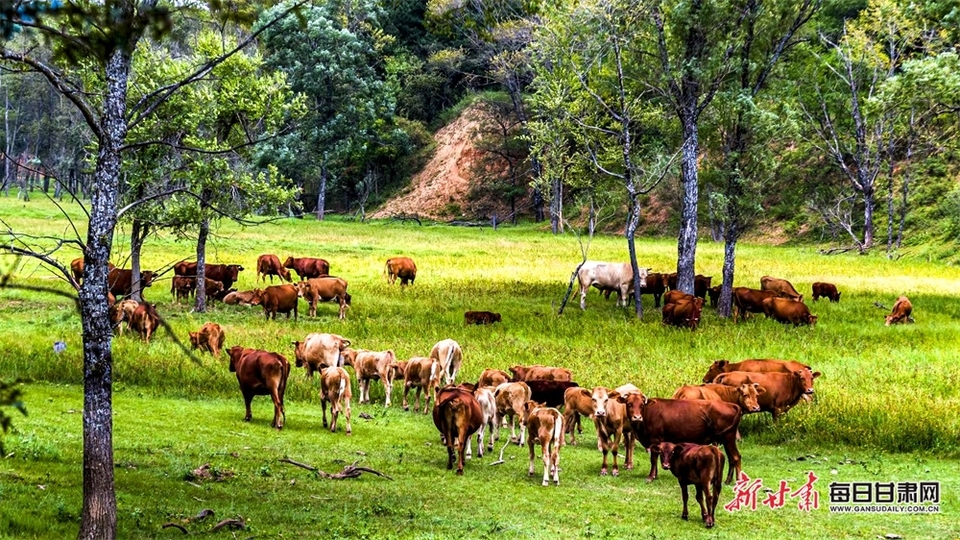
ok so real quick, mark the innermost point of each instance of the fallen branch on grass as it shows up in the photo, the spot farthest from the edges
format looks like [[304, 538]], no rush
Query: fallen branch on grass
[[238, 523], [350, 471], [175, 525]]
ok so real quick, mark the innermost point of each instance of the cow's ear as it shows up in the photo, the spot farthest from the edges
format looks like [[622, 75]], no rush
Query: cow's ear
[[586, 392], [816, 374], [760, 389], [614, 395], [721, 363]]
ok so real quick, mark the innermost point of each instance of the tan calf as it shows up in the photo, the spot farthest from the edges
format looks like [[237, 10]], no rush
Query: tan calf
[[335, 389], [423, 374], [744, 395], [144, 321], [493, 377], [544, 425], [488, 407], [209, 338], [370, 366], [318, 351], [510, 399], [450, 356], [575, 404], [610, 419]]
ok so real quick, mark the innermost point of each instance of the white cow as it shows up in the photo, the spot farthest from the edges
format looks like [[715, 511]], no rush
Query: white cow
[[450, 356], [608, 276], [488, 406], [318, 351]]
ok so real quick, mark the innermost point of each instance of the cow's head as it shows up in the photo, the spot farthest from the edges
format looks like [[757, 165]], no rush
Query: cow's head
[[748, 396], [298, 350], [804, 380], [399, 368], [288, 263], [602, 399], [285, 274], [643, 276], [634, 401], [529, 407], [236, 353], [696, 309], [302, 288], [519, 373], [714, 294], [195, 339], [214, 287], [666, 453], [233, 271], [146, 278], [347, 297], [349, 357]]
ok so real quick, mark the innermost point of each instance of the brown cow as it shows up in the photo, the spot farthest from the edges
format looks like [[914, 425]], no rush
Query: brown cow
[[610, 419], [372, 366], [400, 267], [549, 393], [243, 298], [755, 365], [450, 356], [675, 296], [308, 267], [144, 321], [747, 301], [827, 290], [279, 298], [76, 268], [510, 398], [261, 373], [714, 294], [424, 374], [121, 312], [181, 287], [457, 415], [324, 289], [209, 338], [901, 312], [700, 465], [783, 390], [782, 287], [540, 373], [318, 351], [268, 264], [120, 281], [788, 311], [656, 285], [481, 317], [335, 389], [744, 395], [544, 425], [493, 377], [224, 273], [700, 284], [680, 420], [684, 313]]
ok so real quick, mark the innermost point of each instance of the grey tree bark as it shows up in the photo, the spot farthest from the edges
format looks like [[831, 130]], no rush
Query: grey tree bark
[[201, 299]]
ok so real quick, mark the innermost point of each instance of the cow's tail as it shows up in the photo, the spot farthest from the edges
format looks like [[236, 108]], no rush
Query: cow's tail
[[558, 430], [433, 370], [343, 387], [717, 479], [450, 368], [282, 387], [386, 269], [390, 360]]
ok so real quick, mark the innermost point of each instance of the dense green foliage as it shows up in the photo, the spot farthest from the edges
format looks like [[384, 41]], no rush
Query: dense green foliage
[[887, 401]]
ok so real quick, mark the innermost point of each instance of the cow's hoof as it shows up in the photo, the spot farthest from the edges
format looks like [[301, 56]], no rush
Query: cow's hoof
[[247, 419], [545, 483], [459, 472], [349, 432], [628, 466], [603, 472], [406, 408], [616, 472], [684, 517], [651, 478], [709, 523]]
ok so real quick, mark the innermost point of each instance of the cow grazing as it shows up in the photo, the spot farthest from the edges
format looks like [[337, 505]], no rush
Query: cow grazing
[[76, 268], [120, 281], [182, 287], [279, 299], [268, 264], [209, 338], [510, 399], [783, 390], [675, 296], [400, 267], [243, 298], [324, 289], [604, 276], [318, 351], [335, 389], [120, 313], [372, 366], [481, 317], [493, 377], [788, 311], [144, 320], [679, 420], [756, 365], [747, 301], [423, 374], [308, 267], [826, 290], [575, 405], [610, 419], [700, 465], [399, 368], [540, 373], [656, 285], [549, 393], [744, 395], [450, 356], [224, 273], [782, 287], [457, 415], [261, 373], [901, 312], [714, 294], [544, 425], [683, 313], [488, 407]]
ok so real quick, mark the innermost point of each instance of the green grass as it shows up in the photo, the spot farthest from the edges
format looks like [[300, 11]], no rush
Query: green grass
[[888, 399]]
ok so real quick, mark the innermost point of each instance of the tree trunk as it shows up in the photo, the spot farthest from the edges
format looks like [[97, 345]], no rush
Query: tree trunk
[[99, 515], [633, 219], [537, 193], [868, 206], [201, 300], [729, 267], [687, 242], [905, 189], [138, 232], [322, 192], [556, 206], [890, 211]]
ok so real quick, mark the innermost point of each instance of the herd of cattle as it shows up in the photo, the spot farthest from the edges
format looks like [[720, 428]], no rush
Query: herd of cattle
[[680, 431], [776, 298]]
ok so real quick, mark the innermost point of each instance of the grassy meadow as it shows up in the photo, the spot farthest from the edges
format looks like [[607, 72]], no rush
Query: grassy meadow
[[887, 405]]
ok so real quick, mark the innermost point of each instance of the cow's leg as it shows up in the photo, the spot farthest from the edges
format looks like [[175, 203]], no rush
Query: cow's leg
[[247, 398], [523, 430], [513, 436], [427, 396], [461, 448], [346, 414], [733, 456], [533, 455], [547, 459], [323, 405], [406, 389], [583, 296], [555, 458], [623, 293], [686, 496], [616, 450], [704, 514], [387, 389], [334, 414], [277, 407], [628, 462], [603, 466], [654, 455], [656, 300]]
